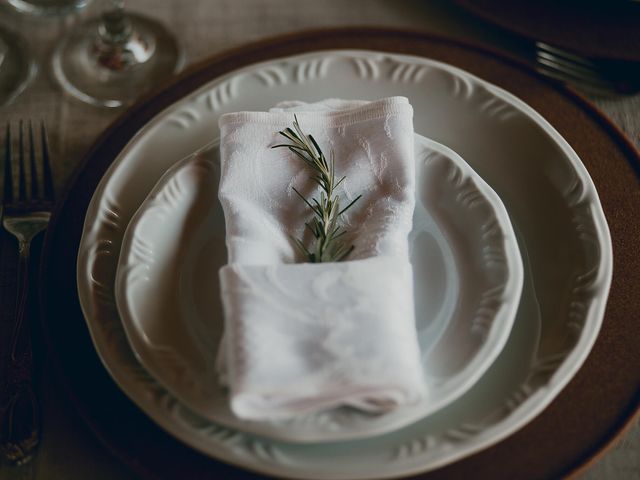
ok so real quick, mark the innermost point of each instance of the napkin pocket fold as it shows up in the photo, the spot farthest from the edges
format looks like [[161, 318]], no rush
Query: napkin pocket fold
[[306, 337]]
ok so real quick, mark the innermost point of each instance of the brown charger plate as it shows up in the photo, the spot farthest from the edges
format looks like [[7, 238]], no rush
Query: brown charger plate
[[598, 29], [584, 419]]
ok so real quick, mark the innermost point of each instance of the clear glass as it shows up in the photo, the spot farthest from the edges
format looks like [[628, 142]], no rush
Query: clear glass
[[48, 7], [17, 67], [110, 61]]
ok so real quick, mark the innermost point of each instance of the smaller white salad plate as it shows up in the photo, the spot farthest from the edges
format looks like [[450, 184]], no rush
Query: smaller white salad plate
[[468, 278]]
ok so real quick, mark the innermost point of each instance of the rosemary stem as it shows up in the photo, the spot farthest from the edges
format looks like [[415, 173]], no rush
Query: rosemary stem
[[325, 226]]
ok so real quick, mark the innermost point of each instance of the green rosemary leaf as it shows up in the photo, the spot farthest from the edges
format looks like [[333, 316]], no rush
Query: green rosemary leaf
[[286, 145], [300, 245], [303, 198], [310, 228], [301, 155], [350, 204], [315, 144], [290, 134], [341, 256], [338, 235]]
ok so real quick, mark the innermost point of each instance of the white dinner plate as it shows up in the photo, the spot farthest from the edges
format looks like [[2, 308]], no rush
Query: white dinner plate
[[467, 274], [551, 201]]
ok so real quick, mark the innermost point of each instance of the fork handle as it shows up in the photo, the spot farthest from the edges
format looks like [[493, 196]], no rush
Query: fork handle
[[20, 427], [21, 302], [20, 420]]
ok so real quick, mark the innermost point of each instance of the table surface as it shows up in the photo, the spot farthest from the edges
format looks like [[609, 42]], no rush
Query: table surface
[[207, 27]]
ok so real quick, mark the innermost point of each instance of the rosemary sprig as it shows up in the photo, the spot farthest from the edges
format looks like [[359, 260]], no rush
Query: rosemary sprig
[[325, 224]]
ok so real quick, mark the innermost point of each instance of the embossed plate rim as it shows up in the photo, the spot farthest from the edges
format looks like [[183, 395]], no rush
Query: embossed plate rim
[[251, 452]]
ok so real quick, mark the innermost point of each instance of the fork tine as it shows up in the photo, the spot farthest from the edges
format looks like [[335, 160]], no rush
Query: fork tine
[[576, 70], [35, 190], [559, 52], [22, 180], [555, 68], [49, 191], [8, 174]]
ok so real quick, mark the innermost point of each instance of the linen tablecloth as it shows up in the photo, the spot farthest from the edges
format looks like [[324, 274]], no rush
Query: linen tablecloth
[[206, 27]]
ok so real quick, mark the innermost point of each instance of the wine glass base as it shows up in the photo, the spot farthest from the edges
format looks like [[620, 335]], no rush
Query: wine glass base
[[48, 7], [77, 69], [17, 67]]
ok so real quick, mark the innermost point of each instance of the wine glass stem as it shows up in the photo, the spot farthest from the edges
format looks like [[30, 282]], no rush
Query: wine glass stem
[[116, 26], [119, 45]]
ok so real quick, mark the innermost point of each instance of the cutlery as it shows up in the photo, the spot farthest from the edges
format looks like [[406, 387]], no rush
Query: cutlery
[[598, 76], [25, 214]]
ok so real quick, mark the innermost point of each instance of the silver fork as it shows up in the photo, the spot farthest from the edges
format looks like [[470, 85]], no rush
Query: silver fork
[[601, 77], [25, 214]]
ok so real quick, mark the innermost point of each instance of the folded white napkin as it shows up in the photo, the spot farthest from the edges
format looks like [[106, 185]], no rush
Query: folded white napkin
[[302, 337]]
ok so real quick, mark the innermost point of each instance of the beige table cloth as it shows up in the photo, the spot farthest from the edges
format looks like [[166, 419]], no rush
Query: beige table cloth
[[206, 27]]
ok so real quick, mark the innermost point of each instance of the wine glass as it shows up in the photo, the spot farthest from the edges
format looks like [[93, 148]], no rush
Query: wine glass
[[111, 60], [17, 67]]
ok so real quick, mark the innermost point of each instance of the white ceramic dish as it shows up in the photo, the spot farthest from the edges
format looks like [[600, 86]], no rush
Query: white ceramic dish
[[467, 270], [552, 203]]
